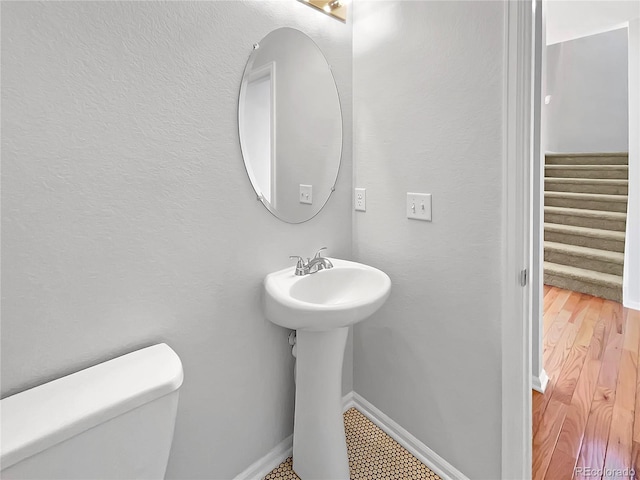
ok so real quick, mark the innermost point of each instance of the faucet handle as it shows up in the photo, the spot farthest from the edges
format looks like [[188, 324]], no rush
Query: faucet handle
[[318, 254], [300, 266], [300, 260]]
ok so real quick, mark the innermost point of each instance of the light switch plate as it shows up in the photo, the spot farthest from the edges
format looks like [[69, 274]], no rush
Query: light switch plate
[[306, 194], [360, 199], [419, 206]]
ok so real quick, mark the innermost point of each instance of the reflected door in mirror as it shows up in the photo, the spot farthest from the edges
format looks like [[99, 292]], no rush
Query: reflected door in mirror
[[259, 123]]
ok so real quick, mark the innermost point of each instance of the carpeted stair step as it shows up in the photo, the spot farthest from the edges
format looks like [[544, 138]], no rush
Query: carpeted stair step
[[585, 209], [584, 257], [584, 237], [603, 285], [616, 158], [587, 171], [590, 201], [606, 186], [579, 217]]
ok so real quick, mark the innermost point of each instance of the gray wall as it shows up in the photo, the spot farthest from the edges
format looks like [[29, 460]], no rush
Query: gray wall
[[128, 218], [587, 80], [428, 102]]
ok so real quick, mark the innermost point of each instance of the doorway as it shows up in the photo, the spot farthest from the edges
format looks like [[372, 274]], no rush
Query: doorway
[[585, 343]]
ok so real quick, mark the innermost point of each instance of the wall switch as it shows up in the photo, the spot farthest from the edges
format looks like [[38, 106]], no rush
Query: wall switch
[[306, 194], [419, 206], [360, 199]]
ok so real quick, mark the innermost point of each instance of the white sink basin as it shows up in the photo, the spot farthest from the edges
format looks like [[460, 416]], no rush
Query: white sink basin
[[337, 297]]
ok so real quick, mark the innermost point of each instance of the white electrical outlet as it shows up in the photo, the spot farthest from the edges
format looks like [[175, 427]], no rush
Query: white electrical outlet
[[306, 194], [419, 206], [360, 199]]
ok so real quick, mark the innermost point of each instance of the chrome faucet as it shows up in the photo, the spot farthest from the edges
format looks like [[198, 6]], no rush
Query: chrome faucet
[[312, 265]]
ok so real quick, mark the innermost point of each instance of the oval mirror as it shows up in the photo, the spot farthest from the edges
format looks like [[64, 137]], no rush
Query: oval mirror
[[290, 125]]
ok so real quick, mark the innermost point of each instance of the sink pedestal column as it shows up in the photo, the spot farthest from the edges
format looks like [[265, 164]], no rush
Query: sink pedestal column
[[319, 442]]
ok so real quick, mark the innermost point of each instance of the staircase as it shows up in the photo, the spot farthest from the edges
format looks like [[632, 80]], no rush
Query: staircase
[[585, 214]]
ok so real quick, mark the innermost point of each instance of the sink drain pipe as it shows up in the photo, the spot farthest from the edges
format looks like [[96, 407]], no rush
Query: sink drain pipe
[[294, 352]]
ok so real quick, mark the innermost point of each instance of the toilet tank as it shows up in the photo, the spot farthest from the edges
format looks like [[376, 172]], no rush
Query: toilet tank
[[111, 421]]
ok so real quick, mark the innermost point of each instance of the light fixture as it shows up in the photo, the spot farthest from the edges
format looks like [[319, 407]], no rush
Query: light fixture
[[331, 6], [334, 8]]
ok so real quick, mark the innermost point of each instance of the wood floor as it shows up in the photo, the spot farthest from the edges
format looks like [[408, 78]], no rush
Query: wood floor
[[587, 423]]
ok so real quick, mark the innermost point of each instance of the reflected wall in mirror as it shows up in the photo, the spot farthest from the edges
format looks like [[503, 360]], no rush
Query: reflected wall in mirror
[[290, 125]]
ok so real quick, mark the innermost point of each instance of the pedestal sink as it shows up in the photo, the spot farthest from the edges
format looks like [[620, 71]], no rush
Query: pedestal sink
[[320, 307]]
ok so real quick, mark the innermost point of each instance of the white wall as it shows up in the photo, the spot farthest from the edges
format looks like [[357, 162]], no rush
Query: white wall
[[571, 19], [631, 277], [428, 93], [587, 81], [128, 218]]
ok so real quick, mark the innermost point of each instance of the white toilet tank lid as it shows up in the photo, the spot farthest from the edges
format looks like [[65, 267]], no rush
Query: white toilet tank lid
[[38, 418]]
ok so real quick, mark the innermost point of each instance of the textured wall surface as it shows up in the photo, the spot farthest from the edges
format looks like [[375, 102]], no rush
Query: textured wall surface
[[128, 218], [428, 118], [588, 84]]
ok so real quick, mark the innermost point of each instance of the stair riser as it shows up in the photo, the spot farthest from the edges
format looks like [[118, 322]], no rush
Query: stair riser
[[569, 283], [589, 222], [586, 173], [586, 188], [586, 204], [580, 261], [584, 241], [604, 160]]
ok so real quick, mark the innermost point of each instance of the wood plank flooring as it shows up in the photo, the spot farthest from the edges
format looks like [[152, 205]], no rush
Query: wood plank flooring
[[587, 423]]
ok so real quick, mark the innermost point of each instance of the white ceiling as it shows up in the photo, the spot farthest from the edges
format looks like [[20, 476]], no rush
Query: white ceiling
[[570, 19]]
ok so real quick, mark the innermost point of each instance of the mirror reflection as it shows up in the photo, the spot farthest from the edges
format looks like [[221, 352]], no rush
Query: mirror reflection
[[290, 125]]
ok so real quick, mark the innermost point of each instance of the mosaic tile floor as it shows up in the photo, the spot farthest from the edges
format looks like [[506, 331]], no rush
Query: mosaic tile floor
[[373, 455]]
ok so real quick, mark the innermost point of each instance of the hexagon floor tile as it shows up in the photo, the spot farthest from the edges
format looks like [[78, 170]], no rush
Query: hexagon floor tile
[[373, 455]]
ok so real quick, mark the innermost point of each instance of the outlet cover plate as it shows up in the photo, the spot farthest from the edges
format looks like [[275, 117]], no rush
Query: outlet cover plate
[[360, 199]]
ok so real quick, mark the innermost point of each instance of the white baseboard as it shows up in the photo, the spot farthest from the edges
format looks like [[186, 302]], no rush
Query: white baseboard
[[259, 469], [431, 459], [539, 383], [348, 401], [631, 304]]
